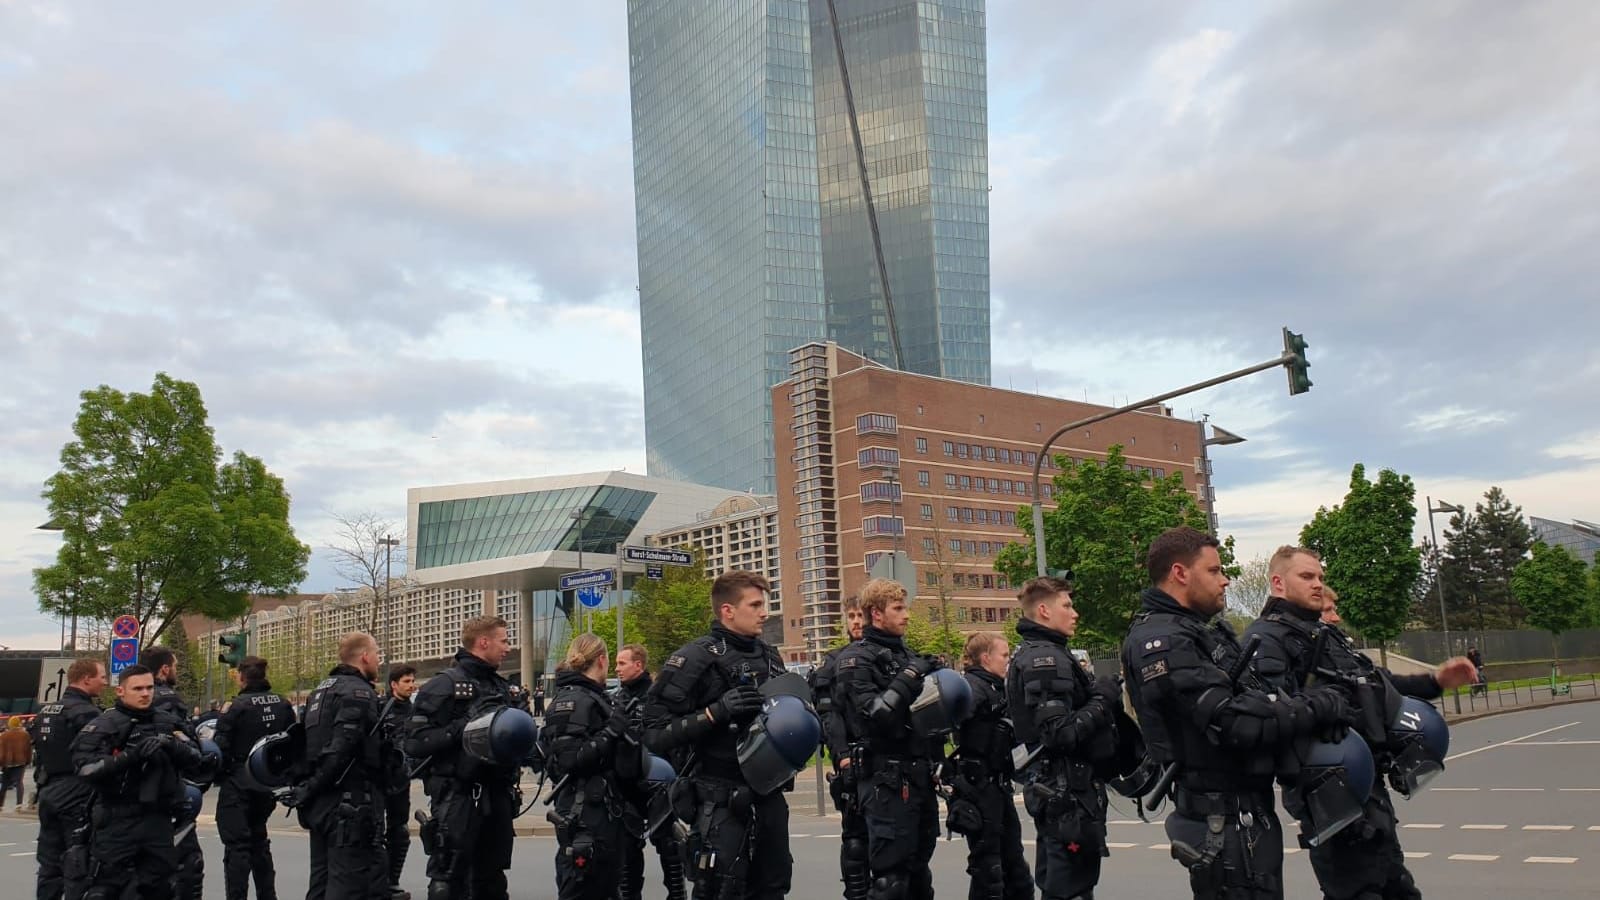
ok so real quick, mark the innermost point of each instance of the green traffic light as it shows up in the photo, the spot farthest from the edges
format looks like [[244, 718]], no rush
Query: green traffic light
[[1294, 345]]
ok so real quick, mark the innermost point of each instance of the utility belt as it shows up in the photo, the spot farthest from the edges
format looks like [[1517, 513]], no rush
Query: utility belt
[[1201, 805], [979, 772], [904, 771], [1065, 773]]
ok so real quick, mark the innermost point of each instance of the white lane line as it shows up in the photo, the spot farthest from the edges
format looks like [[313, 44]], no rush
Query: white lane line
[[1160, 846], [9, 844], [1474, 857], [27, 853], [1455, 790], [1558, 860], [1483, 828], [1124, 822], [1516, 790], [1116, 845], [1556, 743], [1417, 854], [1467, 753], [1594, 827], [800, 835], [1579, 790], [1426, 825], [1290, 851], [1547, 828]]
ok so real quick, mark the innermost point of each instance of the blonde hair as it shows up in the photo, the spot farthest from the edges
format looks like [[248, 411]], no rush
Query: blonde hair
[[1284, 555], [581, 653], [978, 644], [478, 627], [878, 593], [354, 644]]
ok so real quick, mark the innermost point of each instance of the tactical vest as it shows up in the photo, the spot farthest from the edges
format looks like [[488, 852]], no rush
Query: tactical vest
[[1068, 681], [988, 736], [54, 729], [322, 712], [688, 680]]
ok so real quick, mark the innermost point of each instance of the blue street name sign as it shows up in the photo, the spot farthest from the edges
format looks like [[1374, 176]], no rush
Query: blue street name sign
[[591, 597], [653, 572], [591, 578]]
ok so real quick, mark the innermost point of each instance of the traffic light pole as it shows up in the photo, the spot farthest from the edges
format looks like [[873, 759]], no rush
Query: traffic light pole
[[1289, 358]]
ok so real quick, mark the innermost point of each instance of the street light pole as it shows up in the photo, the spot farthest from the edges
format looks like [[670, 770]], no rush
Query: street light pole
[[577, 516], [1438, 575], [388, 543]]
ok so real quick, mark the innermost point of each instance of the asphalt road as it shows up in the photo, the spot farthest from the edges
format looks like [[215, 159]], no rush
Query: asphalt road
[[1516, 814]]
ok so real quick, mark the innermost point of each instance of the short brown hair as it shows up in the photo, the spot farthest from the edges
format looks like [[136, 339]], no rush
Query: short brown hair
[[352, 645], [978, 644], [1181, 545], [851, 602], [732, 584], [1037, 590], [1284, 554], [479, 627], [253, 668], [878, 593], [639, 653], [84, 667]]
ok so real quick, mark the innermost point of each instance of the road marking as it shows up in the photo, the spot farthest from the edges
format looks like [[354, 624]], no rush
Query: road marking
[[1483, 828], [25, 853], [1547, 828], [1516, 790], [1474, 857], [1467, 753], [1160, 846], [799, 835], [1290, 851], [1429, 825], [1417, 854], [11, 844], [1125, 822], [1579, 790], [1556, 743], [1114, 845], [1456, 790], [1559, 860], [1594, 827]]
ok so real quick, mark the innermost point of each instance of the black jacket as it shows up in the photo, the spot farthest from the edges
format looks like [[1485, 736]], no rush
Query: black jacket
[[691, 679], [442, 709], [110, 753], [53, 731], [988, 735], [1057, 705], [868, 669], [254, 714], [835, 731], [344, 751]]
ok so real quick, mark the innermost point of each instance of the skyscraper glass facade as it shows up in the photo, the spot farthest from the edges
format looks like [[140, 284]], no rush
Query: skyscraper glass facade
[[737, 238]]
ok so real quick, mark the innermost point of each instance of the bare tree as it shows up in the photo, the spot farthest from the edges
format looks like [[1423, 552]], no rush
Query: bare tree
[[361, 551], [1248, 593]]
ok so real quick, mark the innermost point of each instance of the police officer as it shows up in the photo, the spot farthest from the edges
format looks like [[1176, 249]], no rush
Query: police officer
[[591, 754], [64, 798], [135, 757], [1363, 860], [633, 685], [981, 805], [842, 746], [473, 801], [1223, 733], [702, 703], [397, 790], [188, 883], [341, 794], [242, 810], [1070, 718], [878, 677]]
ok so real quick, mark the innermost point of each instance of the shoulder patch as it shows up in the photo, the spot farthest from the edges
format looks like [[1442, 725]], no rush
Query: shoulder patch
[[465, 690], [849, 662], [675, 661], [563, 706], [1043, 662], [1153, 671]]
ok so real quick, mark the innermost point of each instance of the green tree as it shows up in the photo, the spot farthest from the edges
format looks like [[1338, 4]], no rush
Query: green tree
[[152, 525], [1249, 591], [1106, 515], [662, 615], [1367, 552], [923, 636], [1552, 586], [1594, 595], [1482, 549]]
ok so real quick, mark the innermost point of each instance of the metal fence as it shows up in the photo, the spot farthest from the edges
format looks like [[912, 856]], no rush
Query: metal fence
[[1507, 694], [1498, 646]]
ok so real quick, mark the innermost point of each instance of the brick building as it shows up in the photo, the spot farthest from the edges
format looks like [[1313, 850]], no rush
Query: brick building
[[880, 460]]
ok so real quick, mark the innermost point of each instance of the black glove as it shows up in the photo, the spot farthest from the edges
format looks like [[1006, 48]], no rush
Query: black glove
[[292, 796], [918, 667], [1328, 706], [736, 704], [1109, 689], [617, 726], [147, 748], [184, 753]]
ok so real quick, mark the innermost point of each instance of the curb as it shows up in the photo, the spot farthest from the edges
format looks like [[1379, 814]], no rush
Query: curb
[[1453, 719]]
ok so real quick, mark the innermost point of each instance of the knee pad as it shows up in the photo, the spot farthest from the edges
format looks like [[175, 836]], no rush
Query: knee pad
[[888, 887], [853, 851], [438, 890]]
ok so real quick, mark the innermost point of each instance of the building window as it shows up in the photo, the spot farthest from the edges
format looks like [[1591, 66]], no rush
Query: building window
[[949, 449], [955, 545], [928, 546], [930, 577], [922, 478], [961, 451], [1008, 517], [884, 457], [966, 514], [1030, 458], [927, 512], [877, 423], [874, 491], [989, 454], [922, 445], [988, 582], [950, 480], [952, 513], [977, 452], [972, 548], [966, 482], [919, 409], [980, 418], [872, 559], [875, 525], [983, 548]]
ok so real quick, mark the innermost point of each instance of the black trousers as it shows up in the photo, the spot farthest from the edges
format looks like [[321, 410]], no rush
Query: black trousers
[[667, 848], [474, 839], [902, 829], [133, 853], [589, 850], [1249, 863], [63, 850], [246, 849], [346, 848], [188, 882], [1071, 838], [738, 842], [995, 861], [1364, 861], [397, 832]]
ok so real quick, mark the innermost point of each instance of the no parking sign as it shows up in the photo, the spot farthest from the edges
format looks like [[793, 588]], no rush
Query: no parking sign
[[124, 644]]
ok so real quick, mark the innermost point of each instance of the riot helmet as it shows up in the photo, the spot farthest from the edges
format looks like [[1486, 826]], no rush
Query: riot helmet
[[271, 762], [778, 743], [945, 702], [1334, 782], [658, 809], [193, 799], [1419, 740], [503, 736], [207, 730]]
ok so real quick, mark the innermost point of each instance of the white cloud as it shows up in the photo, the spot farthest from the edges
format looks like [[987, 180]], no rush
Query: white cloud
[[1458, 419]]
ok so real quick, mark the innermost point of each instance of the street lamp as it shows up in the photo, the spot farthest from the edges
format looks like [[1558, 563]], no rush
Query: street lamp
[[54, 525], [577, 515], [387, 542], [1438, 574], [1220, 437]]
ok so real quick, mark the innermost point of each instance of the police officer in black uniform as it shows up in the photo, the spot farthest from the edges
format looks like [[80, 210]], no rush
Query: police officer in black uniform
[[1364, 860], [591, 755], [135, 757], [242, 810], [981, 804], [64, 798], [704, 699], [842, 747], [468, 840], [878, 677], [1223, 733], [633, 686], [188, 883], [341, 794], [1069, 717], [397, 790]]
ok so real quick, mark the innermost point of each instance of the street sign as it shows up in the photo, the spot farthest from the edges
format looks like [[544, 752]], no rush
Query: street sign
[[125, 627], [653, 572], [124, 653], [53, 678], [657, 555], [589, 578], [897, 566], [591, 596]]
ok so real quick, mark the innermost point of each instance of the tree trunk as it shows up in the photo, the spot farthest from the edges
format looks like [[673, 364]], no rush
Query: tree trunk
[[1383, 654]]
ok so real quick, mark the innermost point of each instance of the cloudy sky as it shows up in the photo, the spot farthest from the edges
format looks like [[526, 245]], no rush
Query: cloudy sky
[[394, 243]]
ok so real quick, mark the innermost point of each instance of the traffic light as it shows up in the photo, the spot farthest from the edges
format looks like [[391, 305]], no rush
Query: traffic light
[[1299, 379], [233, 651]]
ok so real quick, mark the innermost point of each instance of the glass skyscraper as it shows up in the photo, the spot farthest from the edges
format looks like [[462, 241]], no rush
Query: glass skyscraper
[[752, 220]]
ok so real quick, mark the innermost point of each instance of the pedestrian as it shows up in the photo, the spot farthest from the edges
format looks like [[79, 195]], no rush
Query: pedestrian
[[473, 799], [878, 678], [242, 807], [1362, 859], [1481, 683], [189, 878], [980, 775], [135, 757], [16, 751], [397, 787], [65, 799], [1224, 733], [339, 800], [1070, 717], [633, 684], [843, 749], [702, 704], [594, 759], [538, 699]]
